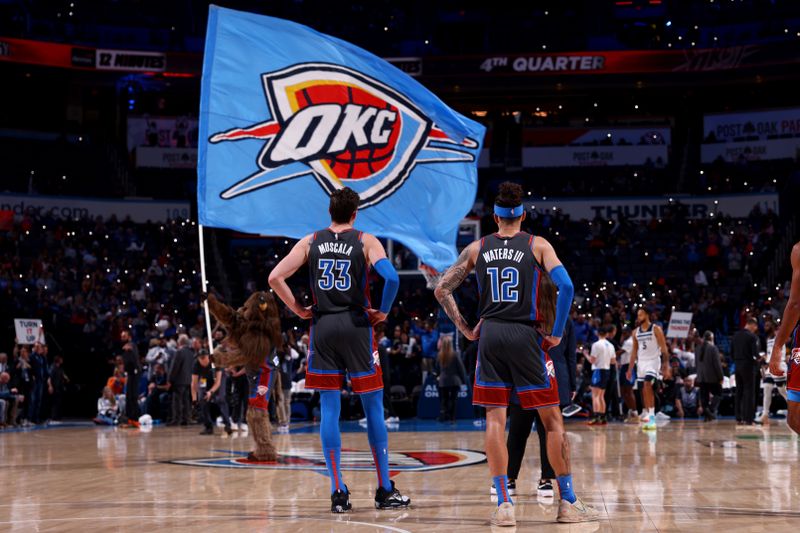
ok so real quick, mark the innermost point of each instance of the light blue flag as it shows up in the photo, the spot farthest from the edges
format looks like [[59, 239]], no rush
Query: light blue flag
[[288, 115]]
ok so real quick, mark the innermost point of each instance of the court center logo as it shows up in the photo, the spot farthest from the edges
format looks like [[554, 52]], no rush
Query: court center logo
[[399, 461], [344, 128]]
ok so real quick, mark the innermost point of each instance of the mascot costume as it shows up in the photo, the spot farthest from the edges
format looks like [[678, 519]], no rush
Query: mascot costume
[[252, 340]]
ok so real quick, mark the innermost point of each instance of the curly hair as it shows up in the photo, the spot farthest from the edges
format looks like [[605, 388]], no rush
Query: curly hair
[[509, 194], [253, 330]]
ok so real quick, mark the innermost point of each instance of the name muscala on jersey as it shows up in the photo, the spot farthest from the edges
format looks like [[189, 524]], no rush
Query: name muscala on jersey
[[335, 248], [648, 345]]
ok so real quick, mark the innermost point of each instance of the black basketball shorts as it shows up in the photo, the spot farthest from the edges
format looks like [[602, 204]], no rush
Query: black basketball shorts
[[511, 358], [343, 344]]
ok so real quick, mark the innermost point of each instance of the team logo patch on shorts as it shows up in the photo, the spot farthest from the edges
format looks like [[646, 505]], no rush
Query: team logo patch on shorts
[[399, 461], [551, 369], [796, 356]]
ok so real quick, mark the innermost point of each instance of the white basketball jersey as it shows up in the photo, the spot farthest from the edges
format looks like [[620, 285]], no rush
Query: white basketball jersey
[[627, 348], [770, 346], [648, 346]]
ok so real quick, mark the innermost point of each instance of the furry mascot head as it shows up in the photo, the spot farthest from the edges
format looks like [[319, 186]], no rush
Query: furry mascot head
[[253, 330], [253, 333]]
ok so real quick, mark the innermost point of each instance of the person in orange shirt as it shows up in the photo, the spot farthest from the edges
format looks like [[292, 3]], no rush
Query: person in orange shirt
[[117, 382]]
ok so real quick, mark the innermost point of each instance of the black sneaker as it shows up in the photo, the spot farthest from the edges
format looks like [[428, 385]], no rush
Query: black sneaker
[[545, 489], [207, 431], [390, 499], [512, 488], [340, 501]]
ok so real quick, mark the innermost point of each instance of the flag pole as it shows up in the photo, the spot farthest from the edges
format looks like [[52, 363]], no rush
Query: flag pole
[[204, 286]]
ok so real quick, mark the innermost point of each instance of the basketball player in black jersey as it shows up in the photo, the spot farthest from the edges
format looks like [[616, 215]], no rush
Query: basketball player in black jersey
[[512, 351], [341, 339], [789, 331]]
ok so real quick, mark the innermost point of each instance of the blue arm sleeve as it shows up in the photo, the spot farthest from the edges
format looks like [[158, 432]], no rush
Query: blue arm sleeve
[[565, 293], [391, 283]]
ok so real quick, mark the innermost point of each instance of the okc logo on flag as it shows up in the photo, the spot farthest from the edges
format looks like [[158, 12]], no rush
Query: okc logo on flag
[[288, 116], [345, 129]]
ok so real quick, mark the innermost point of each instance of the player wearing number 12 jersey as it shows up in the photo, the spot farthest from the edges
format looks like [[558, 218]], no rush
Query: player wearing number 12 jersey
[[342, 341], [512, 351]]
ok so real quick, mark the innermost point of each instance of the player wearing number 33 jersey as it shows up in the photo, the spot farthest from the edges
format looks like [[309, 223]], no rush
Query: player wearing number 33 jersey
[[341, 335], [342, 342]]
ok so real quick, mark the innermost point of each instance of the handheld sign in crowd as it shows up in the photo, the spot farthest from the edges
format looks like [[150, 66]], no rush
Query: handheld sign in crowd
[[29, 330], [679, 324]]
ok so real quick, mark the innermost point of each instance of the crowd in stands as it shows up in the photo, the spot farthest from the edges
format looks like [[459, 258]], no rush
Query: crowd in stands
[[415, 28], [107, 287], [90, 281]]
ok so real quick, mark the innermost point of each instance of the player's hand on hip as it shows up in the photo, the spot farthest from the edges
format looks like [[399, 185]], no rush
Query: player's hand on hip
[[376, 316], [475, 332], [305, 313]]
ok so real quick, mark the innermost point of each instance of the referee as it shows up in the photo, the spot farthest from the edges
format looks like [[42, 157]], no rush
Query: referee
[[564, 358]]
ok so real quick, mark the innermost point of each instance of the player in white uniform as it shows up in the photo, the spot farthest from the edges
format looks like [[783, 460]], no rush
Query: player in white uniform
[[771, 381], [625, 384], [649, 351], [602, 357]]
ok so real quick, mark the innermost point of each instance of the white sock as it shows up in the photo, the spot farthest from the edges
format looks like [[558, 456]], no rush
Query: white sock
[[651, 411]]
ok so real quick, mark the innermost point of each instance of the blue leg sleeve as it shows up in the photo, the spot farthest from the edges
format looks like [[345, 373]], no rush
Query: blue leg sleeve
[[378, 436], [331, 437]]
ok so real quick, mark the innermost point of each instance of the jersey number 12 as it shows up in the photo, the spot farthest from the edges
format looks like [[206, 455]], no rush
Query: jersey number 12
[[504, 284]]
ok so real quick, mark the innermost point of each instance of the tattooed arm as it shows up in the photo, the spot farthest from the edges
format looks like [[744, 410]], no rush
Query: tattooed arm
[[451, 279]]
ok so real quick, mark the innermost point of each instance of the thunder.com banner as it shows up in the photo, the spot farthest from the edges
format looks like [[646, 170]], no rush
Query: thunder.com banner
[[289, 115]]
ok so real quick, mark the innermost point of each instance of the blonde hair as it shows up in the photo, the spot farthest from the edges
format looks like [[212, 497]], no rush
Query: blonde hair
[[446, 351], [108, 394]]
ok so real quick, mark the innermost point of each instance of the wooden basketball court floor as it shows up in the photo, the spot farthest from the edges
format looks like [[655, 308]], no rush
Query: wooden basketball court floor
[[686, 476]]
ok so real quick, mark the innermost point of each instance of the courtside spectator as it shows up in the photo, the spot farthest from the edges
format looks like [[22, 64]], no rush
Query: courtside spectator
[[107, 409], [180, 381]]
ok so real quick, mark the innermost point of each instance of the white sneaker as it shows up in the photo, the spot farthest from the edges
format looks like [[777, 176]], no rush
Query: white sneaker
[[662, 416], [478, 422], [576, 512], [650, 425], [220, 423], [504, 515], [283, 430], [644, 417], [393, 419], [243, 427]]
